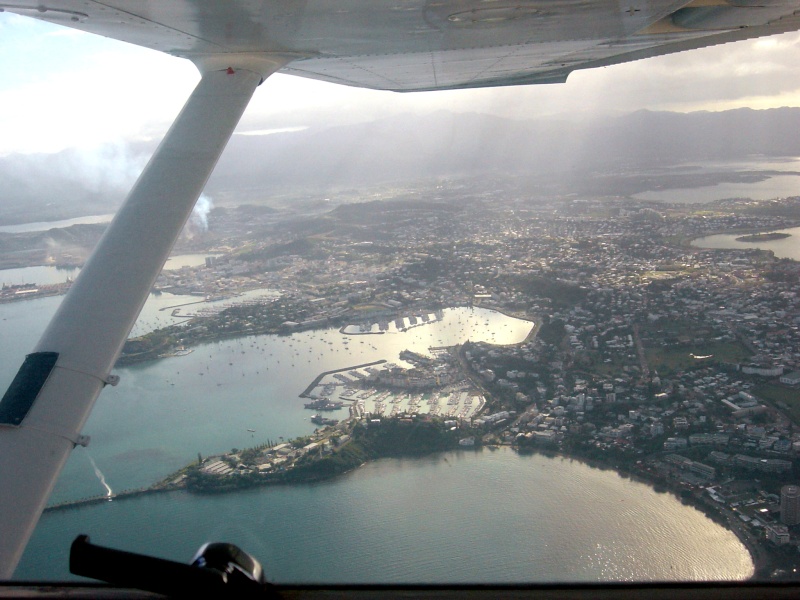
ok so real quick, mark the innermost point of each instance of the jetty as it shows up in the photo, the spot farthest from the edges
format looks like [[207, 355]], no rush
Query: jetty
[[318, 378]]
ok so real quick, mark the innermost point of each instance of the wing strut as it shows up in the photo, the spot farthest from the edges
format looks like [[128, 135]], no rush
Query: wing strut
[[47, 404]]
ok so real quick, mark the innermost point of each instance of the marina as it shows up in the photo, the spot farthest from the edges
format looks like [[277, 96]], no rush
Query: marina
[[396, 325], [166, 412], [337, 374], [364, 389]]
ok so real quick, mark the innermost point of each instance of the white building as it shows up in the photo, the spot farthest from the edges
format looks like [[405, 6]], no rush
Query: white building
[[792, 378]]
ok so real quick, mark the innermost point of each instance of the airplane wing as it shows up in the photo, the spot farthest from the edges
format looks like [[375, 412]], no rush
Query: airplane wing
[[414, 45], [400, 45]]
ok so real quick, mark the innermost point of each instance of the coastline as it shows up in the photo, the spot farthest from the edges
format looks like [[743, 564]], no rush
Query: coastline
[[741, 232], [535, 319], [759, 555], [762, 563]]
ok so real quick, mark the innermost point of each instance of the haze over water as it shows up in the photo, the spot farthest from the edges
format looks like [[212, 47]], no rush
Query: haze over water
[[772, 186]]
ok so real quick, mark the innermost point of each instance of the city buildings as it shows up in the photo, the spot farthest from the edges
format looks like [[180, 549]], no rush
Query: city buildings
[[790, 504]]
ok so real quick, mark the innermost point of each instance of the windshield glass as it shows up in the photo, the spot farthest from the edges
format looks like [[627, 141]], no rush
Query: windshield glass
[[527, 334]]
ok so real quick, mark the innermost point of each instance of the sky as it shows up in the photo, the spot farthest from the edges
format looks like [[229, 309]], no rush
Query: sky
[[60, 88]]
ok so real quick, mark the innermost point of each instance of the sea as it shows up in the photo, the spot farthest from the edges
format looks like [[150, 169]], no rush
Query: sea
[[783, 183], [47, 225], [456, 517], [782, 248]]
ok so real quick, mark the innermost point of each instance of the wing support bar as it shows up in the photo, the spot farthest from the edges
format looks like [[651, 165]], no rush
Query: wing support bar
[[95, 317]]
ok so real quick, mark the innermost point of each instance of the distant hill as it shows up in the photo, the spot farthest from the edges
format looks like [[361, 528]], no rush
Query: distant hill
[[409, 147], [665, 137], [405, 148]]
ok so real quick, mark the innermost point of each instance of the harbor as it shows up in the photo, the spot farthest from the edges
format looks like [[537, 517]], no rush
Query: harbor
[[307, 392], [434, 385]]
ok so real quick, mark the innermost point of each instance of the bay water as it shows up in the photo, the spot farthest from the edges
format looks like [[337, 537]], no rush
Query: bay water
[[787, 247], [783, 181], [455, 517]]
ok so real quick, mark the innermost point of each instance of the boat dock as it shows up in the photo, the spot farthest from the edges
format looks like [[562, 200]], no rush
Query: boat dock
[[319, 377]]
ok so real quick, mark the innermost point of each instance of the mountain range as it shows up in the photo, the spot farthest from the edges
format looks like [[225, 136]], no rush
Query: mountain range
[[405, 148]]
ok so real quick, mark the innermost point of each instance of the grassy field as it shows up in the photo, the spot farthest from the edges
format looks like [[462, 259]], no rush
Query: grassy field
[[775, 393], [666, 360], [679, 327], [610, 369]]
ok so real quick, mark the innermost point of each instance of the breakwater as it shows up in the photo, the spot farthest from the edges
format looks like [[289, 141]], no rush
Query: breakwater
[[123, 495], [305, 393]]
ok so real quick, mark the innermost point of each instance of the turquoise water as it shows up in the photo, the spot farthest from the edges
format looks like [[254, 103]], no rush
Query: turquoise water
[[164, 412], [456, 517]]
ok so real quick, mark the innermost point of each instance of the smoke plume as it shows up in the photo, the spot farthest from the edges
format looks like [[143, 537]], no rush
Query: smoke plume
[[199, 217]]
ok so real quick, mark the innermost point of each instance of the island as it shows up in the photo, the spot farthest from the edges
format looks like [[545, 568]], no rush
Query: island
[[763, 237]]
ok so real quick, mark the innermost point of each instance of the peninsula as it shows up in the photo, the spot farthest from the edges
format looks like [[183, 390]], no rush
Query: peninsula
[[676, 364]]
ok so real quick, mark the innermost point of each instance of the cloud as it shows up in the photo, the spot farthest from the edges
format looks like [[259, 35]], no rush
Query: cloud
[[113, 165], [66, 90], [734, 74], [62, 91], [260, 132]]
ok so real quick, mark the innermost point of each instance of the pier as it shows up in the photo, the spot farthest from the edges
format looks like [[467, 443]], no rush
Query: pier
[[318, 378], [105, 498]]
